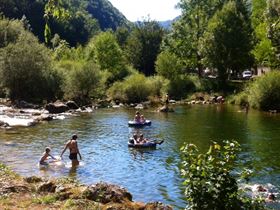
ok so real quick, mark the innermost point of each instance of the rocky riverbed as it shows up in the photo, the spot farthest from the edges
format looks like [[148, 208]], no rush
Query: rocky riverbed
[[25, 114], [17, 192]]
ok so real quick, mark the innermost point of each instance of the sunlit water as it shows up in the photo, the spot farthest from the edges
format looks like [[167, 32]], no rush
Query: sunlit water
[[148, 174]]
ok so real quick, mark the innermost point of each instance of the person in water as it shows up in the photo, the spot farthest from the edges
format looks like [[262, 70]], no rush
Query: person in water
[[72, 145], [45, 156]]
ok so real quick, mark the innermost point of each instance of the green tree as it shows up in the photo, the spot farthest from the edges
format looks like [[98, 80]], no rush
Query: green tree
[[143, 46], [109, 55], [264, 52], [273, 20], [25, 69], [227, 42], [168, 65], [184, 40]]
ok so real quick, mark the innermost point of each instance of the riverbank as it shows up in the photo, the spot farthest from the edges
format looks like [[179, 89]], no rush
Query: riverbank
[[17, 192]]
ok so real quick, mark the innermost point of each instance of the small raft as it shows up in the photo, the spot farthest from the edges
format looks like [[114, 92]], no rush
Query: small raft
[[150, 144], [145, 145], [133, 123]]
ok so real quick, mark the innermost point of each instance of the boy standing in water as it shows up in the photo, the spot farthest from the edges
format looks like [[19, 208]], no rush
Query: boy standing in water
[[45, 156], [72, 145]]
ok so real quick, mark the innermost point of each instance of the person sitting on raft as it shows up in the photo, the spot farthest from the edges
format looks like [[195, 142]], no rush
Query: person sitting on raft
[[135, 139], [141, 139], [45, 156], [142, 119], [137, 117]]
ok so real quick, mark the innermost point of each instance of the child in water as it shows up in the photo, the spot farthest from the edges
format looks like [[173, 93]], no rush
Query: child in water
[[45, 156]]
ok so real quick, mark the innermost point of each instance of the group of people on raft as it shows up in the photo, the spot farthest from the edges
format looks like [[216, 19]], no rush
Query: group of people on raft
[[139, 139], [139, 118]]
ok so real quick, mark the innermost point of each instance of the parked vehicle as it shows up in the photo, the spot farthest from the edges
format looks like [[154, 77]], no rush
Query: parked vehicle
[[246, 74]]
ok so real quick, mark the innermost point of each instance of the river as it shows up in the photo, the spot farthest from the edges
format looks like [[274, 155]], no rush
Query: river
[[148, 174]]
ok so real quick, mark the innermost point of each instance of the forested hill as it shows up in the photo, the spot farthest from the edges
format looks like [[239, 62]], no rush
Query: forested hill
[[87, 17]]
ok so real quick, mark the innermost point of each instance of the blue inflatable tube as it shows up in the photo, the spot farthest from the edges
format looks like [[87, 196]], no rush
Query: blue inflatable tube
[[139, 124], [145, 145]]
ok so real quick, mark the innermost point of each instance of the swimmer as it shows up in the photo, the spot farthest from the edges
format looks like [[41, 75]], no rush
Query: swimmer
[[45, 156]]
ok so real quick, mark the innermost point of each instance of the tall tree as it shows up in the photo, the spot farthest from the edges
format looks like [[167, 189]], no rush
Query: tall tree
[[109, 55], [143, 46], [228, 41], [264, 50], [273, 19], [187, 32]]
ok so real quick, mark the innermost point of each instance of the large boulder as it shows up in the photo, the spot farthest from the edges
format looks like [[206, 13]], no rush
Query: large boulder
[[105, 193], [72, 105], [57, 107]]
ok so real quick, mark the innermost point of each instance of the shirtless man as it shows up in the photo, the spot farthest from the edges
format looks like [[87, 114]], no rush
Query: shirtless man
[[73, 149]]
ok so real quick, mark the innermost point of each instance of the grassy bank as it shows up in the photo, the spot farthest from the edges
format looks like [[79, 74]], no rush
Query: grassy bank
[[17, 192]]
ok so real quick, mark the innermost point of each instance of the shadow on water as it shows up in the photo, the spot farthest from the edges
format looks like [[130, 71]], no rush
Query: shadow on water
[[148, 174]]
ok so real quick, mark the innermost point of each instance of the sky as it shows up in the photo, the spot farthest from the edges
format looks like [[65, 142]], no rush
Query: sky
[[159, 10]]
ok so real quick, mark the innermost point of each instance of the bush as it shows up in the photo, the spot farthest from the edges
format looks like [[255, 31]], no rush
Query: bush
[[264, 92], [137, 88], [79, 80], [209, 182], [180, 87]]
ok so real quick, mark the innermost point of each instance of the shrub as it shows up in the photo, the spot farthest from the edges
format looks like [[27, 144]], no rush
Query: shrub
[[264, 92], [209, 182], [180, 87], [80, 80], [136, 88]]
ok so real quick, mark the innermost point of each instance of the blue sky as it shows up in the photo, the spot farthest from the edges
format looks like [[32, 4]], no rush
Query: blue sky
[[159, 10]]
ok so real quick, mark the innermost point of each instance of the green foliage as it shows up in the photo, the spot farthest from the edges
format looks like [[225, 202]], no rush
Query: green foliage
[[80, 79], [184, 41], [168, 65], [227, 42], [75, 21], [25, 69], [264, 92], [109, 55], [137, 88], [240, 99], [9, 31], [265, 52], [48, 199], [143, 46], [209, 181]]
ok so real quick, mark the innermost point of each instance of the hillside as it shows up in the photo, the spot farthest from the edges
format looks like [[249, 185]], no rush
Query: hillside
[[87, 17]]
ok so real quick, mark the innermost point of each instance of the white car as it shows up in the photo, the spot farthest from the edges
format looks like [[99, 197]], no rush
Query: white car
[[246, 74]]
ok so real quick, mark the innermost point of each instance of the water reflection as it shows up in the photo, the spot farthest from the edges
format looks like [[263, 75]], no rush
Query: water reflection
[[148, 174]]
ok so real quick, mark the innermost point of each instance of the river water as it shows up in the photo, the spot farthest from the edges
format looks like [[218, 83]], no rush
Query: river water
[[148, 174]]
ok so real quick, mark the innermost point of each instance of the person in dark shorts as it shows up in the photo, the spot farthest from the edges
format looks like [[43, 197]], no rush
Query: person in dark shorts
[[72, 145]]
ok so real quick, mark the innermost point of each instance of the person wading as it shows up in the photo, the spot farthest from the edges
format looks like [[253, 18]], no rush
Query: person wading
[[72, 145]]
